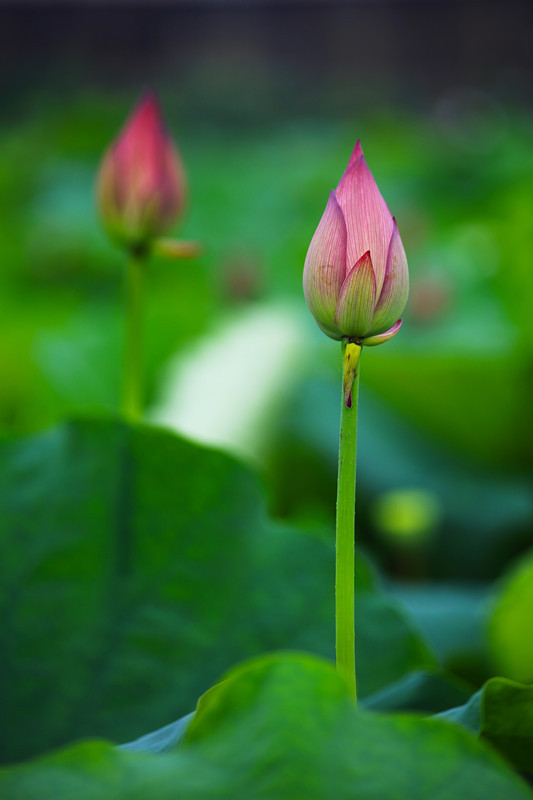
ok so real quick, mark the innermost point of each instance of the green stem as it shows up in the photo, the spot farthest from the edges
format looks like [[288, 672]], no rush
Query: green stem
[[131, 389], [345, 544]]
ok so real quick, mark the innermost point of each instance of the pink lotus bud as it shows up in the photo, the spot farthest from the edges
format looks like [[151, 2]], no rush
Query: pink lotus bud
[[355, 275], [141, 184]]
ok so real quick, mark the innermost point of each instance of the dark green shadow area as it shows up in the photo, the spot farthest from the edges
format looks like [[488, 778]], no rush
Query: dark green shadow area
[[137, 567]]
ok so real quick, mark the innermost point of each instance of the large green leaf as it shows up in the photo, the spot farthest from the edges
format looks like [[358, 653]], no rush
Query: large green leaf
[[501, 712], [416, 691], [280, 727], [136, 568]]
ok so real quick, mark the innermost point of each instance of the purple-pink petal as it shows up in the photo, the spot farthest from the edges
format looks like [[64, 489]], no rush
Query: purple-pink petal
[[368, 220], [141, 183], [357, 299], [325, 267], [393, 297], [357, 152], [372, 341]]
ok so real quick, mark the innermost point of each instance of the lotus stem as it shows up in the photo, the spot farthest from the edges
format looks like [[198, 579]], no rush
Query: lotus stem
[[131, 389], [345, 538]]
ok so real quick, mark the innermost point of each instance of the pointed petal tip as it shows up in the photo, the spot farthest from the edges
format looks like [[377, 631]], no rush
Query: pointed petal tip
[[147, 114], [148, 102], [357, 152], [380, 338], [364, 262], [357, 299], [368, 219]]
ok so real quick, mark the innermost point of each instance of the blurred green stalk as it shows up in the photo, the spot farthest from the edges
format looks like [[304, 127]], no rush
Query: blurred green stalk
[[131, 387], [345, 538]]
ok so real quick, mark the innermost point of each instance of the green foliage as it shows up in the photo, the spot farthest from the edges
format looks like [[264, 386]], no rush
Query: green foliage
[[482, 518], [459, 207], [510, 636], [416, 691], [284, 727], [137, 567], [502, 713]]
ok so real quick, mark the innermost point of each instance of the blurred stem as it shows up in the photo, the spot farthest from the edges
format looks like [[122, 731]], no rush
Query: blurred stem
[[345, 541], [131, 389]]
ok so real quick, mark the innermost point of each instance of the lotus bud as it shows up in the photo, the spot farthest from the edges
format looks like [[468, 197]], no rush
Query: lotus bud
[[141, 184], [355, 275]]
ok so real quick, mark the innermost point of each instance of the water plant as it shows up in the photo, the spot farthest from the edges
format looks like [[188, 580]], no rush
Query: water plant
[[356, 284], [141, 192], [140, 568]]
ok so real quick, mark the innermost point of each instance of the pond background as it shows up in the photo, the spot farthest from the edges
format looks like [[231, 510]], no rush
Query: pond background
[[266, 101]]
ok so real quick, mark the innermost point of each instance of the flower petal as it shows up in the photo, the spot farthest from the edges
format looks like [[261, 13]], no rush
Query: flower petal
[[357, 299], [372, 341], [395, 289], [325, 267], [368, 220], [357, 152], [141, 183]]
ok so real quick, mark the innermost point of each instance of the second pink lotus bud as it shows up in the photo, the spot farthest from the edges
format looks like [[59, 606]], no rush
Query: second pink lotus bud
[[141, 183], [355, 279]]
